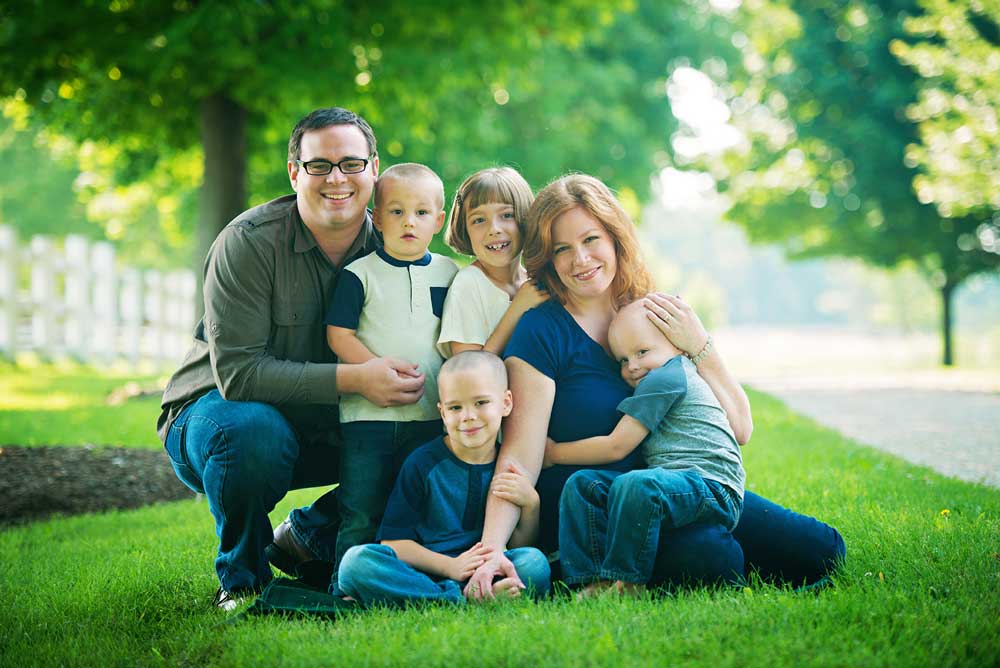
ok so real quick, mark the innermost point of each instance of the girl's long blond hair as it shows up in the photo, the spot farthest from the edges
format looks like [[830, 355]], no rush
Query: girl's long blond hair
[[495, 184], [632, 280]]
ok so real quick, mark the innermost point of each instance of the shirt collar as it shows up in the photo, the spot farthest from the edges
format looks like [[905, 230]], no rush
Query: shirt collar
[[367, 240], [422, 262]]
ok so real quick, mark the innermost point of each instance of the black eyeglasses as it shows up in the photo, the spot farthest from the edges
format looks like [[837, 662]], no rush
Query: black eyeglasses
[[324, 167]]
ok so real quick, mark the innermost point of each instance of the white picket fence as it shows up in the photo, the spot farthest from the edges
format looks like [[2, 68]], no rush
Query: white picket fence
[[70, 298]]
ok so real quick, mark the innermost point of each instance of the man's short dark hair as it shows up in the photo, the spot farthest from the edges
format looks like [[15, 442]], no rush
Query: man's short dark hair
[[323, 118]]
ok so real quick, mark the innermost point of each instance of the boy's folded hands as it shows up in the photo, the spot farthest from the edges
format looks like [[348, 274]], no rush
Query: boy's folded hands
[[464, 565]]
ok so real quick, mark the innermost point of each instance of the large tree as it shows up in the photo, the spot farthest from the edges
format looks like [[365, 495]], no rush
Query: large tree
[[829, 170], [156, 80]]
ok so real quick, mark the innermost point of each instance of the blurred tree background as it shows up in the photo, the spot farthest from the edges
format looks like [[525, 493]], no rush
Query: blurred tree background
[[863, 128]]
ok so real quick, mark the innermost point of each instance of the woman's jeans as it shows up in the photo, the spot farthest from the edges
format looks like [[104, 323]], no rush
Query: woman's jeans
[[244, 456], [373, 574], [778, 544], [611, 522]]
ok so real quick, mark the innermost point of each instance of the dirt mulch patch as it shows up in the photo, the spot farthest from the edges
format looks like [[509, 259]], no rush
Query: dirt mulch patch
[[39, 482]]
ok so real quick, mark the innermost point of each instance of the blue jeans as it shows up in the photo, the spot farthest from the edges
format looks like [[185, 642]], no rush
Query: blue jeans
[[370, 459], [374, 574], [244, 456], [780, 545], [611, 522]]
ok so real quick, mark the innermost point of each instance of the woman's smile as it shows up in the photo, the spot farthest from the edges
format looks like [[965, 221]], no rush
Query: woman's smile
[[587, 275], [583, 254]]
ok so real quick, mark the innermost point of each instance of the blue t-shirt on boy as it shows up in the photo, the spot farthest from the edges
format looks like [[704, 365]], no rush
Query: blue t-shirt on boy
[[439, 501]]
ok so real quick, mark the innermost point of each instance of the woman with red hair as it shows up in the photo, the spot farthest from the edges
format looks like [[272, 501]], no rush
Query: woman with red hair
[[567, 387]]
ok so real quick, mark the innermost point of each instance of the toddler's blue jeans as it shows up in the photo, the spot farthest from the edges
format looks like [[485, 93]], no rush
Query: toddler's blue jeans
[[610, 522]]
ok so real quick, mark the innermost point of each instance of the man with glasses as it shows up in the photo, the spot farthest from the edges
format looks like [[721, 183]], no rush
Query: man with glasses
[[252, 411]]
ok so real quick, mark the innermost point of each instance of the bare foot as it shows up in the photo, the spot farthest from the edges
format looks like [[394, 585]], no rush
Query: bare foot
[[594, 589], [631, 589], [507, 588]]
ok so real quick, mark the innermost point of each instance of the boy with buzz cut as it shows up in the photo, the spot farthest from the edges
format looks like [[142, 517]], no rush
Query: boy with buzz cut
[[389, 304], [435, 515], [610, 522]]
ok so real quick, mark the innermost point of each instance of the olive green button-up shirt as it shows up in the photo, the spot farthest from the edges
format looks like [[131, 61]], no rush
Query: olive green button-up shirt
[[267, 286]]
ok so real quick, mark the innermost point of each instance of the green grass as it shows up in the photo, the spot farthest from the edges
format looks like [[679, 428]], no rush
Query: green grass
[[920, 587], [44, 404]]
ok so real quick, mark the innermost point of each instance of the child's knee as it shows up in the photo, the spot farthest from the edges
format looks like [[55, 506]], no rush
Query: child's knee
[[582, 486], [360, 563], [639, 484], [533, 569]]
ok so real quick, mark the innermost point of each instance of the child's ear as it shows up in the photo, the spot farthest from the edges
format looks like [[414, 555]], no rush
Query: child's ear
[[508, 403], [441, 410], [440, 222], [375, 220]]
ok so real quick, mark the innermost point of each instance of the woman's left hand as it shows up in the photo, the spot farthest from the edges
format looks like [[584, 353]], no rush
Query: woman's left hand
[[677, 320]]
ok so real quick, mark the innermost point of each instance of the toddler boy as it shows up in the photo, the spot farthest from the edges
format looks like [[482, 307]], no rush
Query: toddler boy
[[695, 469], [389, 304], [429, 535]]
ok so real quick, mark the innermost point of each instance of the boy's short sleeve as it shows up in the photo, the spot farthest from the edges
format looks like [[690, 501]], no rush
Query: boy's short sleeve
[[656, 394], [536, 340], [347, 302], [404, 508]]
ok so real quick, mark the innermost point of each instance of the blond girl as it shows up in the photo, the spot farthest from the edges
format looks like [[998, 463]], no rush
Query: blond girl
[[489, 296]]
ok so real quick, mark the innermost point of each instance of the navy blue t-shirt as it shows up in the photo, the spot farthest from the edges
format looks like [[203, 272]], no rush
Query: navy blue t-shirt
[[438, 501], [589, 388]]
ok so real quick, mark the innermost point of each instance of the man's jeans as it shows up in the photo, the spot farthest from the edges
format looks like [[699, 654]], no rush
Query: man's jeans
[[374, 574], [611, 522], [244, 456], [370, 459]]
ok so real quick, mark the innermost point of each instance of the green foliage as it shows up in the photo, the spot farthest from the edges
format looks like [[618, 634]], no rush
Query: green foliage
[[134, 77], [831, 174], [832, 160], [575, 85], [955, 49], [38, 169], [920, 587]]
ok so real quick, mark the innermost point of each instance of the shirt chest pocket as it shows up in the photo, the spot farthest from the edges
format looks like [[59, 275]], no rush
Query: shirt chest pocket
[[437, 300], [296, 313]]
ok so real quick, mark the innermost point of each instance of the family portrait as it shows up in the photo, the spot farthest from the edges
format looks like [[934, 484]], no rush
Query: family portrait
[[564, 333], [654, 498]]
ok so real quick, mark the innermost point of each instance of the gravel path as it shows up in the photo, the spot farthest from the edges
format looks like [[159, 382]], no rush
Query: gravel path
[[953, 431]]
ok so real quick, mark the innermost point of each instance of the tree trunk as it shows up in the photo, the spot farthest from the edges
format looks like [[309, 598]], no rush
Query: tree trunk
[[223, 188], [947, 290]]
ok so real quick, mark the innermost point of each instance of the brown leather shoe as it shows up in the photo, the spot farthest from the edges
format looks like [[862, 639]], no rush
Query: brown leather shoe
[[287, 553]]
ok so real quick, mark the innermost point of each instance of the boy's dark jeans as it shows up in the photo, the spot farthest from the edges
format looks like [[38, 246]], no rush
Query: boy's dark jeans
[[370, 459]]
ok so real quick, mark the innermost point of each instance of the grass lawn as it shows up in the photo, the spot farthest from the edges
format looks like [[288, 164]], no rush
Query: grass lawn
[[43, 404], [921, 586]]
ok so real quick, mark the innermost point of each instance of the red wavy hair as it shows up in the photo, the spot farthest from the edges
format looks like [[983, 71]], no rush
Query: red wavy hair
[[632, 280]]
